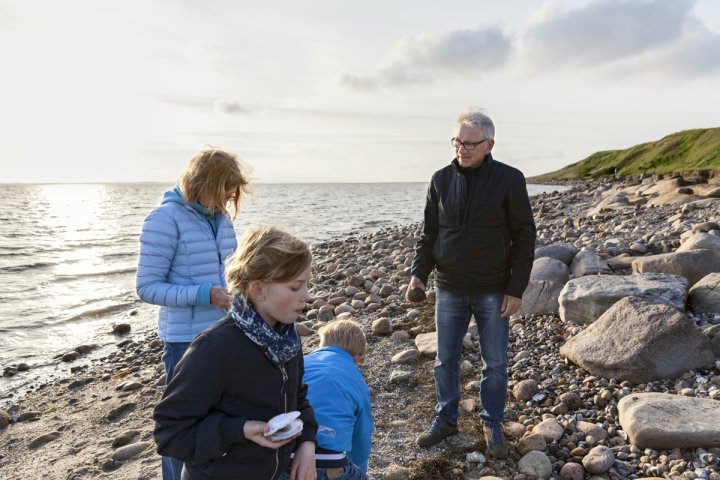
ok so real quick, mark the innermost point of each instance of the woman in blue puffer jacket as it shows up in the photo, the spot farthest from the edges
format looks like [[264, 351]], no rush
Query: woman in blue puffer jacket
[[183, 247]]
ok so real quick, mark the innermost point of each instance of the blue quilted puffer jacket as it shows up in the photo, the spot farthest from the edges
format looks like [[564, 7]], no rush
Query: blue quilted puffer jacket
[[182, 255]]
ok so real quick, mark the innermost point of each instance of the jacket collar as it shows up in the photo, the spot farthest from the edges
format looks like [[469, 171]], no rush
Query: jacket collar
[[488, 160]]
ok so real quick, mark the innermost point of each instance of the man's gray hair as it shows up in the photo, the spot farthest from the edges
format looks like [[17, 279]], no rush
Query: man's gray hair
[[474, 117]]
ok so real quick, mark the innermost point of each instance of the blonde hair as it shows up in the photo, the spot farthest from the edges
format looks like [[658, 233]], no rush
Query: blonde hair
[[345, 334], [268, 255], [217, 173]]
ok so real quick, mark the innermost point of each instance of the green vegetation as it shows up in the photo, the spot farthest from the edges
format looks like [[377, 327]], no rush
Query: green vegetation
[[682, 152]]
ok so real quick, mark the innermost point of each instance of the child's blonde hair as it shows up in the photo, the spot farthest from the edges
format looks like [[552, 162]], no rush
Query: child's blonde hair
[[345, 334], [268, 255], [217, 173]]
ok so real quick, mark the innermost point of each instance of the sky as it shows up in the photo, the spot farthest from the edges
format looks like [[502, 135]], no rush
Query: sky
[[342, 91]]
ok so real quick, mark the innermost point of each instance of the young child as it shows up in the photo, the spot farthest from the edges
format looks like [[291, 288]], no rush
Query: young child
[[341, 401], [244, 370]]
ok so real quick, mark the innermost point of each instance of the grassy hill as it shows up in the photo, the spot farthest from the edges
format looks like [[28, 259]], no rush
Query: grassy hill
[[681, 152]]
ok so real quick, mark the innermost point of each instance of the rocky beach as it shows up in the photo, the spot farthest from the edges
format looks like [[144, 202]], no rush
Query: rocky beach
[[614, 360]]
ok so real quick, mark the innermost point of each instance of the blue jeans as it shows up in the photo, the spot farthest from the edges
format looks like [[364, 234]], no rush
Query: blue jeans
[[452, 318], [172, 353], [349, 472]]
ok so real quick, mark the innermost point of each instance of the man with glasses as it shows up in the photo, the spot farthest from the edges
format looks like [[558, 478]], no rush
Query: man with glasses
[[479, 236]]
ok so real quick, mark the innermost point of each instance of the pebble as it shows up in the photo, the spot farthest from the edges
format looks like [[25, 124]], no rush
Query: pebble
[[121, 328], [4, 419], [515, 429], [550, 429], [29, 416], [128, 452], [598, 460], [38, 442], [125, 438], [572, 471], [476, 457], [399, 336], [536, 464], [534, 441], [381, 326], [410, 355], [468, 405], [400, 376], [525, 389], [396, 472]]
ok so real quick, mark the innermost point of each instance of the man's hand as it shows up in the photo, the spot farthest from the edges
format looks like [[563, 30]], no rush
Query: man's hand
[[510, 306], [303, 465], [220, 298], [415, 282]]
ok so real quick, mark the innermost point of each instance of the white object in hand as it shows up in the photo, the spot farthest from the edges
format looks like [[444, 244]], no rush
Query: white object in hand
[[284, 426]]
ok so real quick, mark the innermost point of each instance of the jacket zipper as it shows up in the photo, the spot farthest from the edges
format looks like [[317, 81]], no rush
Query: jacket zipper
[[215, 235], [284, 394]]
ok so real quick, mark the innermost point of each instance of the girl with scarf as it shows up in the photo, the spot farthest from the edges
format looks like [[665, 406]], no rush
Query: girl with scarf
[[244, 370]]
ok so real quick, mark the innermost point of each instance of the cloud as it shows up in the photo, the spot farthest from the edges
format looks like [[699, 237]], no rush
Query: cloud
[[394, 76], [623, 36], [231, 106], [697, 54], [605, 30], [467, 50], [415, 59]]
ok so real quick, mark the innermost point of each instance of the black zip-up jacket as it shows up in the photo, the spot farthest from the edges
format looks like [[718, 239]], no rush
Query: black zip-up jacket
[[223, 380], [478, 232]]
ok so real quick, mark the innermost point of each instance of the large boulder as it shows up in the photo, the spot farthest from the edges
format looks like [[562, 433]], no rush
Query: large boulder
[[673, 198], [640, 342], [548, 268], [615, 199], [584, 299], [700, 240], [707, 189], [587, 262], [713, 333], [665, 186], [691, 264], [704, 296], [665, 421], [559, 251], [541, 296]]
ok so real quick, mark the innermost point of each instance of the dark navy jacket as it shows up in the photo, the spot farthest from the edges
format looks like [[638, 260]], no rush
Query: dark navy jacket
[[223, 380], [479, 232]]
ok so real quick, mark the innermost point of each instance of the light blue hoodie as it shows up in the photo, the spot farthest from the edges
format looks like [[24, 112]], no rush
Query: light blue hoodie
[[183, 248], [341, 400]]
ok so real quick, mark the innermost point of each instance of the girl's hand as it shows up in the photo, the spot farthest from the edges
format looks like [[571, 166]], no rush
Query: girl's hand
[[303, 466], [254, 430], [220, 298]]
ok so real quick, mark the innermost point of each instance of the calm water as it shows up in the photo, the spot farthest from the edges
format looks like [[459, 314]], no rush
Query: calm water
[[68, 252]]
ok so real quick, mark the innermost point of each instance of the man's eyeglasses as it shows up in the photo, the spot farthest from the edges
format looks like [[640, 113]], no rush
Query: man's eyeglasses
[[468, 145]]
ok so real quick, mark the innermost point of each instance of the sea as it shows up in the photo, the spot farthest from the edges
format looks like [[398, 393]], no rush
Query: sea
[[68, 254]]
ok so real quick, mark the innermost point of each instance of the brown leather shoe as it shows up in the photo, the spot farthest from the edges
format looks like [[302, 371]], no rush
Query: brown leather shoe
[[438, 430], [495, 439]]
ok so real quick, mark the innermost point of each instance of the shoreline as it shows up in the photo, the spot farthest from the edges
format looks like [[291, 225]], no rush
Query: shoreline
[[96, 423]]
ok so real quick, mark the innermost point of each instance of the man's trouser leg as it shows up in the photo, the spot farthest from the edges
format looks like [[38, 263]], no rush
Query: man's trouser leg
[[493, 331], [452, 316]]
